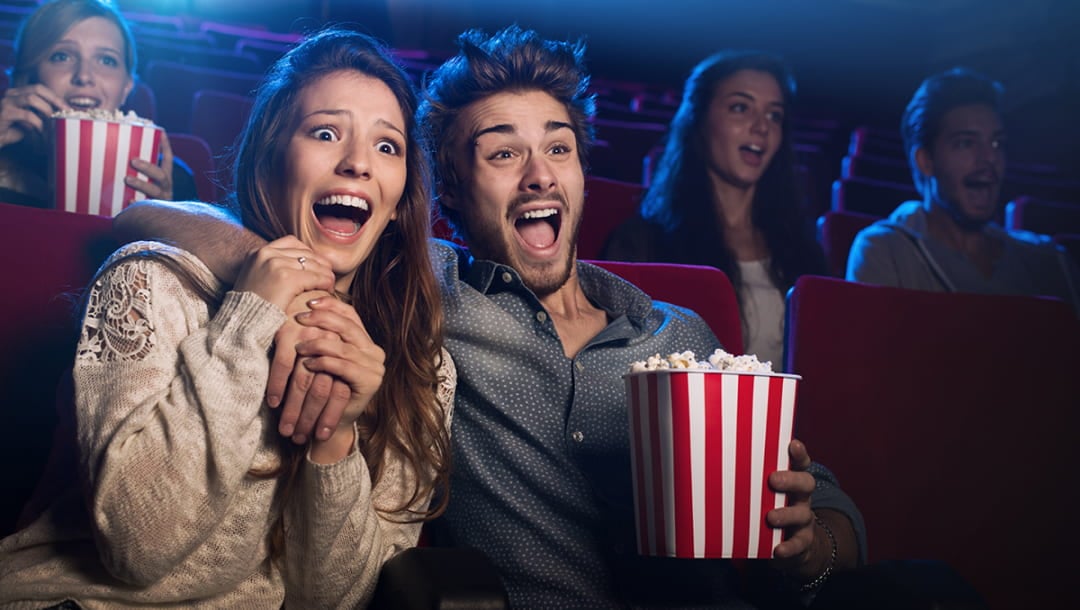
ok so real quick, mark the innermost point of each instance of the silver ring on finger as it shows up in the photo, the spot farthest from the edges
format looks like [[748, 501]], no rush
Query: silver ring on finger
[[302, 260]]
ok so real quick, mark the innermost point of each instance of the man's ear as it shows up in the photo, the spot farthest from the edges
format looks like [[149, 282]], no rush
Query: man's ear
[[446, 197], [924, 162]]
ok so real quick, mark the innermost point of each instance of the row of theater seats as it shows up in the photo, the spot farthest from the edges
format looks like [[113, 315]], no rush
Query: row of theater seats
[[197, 77], [951, 436]]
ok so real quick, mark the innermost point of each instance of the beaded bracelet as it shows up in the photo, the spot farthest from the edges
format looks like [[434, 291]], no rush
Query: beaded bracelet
[[821, 578]]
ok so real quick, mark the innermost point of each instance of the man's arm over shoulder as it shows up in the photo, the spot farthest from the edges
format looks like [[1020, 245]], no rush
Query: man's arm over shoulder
[[209, 232]]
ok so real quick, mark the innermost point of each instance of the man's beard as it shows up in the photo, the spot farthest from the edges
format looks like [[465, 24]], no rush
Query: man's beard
[[488, 242]]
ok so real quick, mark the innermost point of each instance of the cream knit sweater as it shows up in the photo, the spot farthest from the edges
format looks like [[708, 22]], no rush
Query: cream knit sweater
[[169, 403]]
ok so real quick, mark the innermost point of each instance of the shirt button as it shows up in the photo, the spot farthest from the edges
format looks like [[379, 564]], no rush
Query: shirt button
[[506, 277], [579, 366], [541, 316], [577, 436]]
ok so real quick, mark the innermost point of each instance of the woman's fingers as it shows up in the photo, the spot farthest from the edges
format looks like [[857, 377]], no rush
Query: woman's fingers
[[280, 271], [338, 317], [159, 177]]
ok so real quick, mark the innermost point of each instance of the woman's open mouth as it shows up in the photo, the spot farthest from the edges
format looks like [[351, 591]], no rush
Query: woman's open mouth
[[342, 215]]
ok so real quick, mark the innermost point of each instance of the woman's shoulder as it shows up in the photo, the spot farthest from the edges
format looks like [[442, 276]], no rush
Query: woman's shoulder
[[156, 262]]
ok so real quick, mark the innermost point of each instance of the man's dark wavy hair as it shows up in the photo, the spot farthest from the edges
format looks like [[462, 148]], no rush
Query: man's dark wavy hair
[[511, 60], [934, 98]]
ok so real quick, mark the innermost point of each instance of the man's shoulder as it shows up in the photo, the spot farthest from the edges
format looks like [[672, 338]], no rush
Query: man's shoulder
[[900, 226], [447, 259], [1033, 245]]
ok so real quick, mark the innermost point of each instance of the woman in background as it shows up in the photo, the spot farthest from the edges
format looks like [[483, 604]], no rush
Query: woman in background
[[724, 193], [187, 495], [71, 55]]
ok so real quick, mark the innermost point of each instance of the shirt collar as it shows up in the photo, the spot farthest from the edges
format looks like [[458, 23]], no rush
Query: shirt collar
[[608, 291]]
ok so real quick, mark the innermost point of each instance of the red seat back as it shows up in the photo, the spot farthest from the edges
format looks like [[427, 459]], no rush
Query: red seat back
[[195, 152], [1041, 216], [836, 232], [176, 84], [951, 420], [870, 196], [51, 256], [705, 290], [607, 204], [218, 117]]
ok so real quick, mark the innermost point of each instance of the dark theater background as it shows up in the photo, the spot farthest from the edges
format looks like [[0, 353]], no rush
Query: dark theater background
[[857, 61], [979, 458]]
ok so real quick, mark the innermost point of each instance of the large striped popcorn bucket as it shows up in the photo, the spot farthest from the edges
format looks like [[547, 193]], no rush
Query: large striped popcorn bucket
[[90, 159], [703, 443]]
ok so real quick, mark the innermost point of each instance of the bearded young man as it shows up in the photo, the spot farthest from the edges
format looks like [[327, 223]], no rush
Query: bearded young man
[[948, 242]]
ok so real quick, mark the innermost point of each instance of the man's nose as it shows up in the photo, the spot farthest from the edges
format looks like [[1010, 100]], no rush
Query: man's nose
[[539, 176]]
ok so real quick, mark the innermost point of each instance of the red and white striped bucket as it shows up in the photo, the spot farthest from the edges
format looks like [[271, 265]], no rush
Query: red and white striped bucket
[[91, 159], [703, 444]]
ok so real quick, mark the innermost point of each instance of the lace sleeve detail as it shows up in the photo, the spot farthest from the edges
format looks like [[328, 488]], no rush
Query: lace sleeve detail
[[444, 394], [117, 324]]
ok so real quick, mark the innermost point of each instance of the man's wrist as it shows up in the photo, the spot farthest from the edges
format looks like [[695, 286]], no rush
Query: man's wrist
[[830, 554]]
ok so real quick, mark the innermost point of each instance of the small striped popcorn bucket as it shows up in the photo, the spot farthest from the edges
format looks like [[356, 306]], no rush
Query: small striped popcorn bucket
[[90, 159], [703, 444]]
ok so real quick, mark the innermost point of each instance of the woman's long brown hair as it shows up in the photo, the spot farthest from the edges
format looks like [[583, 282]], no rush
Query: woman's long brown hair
[[395, 291]]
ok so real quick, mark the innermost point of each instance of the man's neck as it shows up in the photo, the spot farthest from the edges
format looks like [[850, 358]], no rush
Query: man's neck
[[970, 241], [575, 318]]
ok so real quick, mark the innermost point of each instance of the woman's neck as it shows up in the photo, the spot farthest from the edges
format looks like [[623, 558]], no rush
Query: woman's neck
[[734, 208]]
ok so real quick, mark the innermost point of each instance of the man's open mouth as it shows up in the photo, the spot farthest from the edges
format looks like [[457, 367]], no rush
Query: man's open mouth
[[539, 228]]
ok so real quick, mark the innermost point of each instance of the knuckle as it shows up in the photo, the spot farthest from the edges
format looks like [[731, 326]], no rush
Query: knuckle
[[340, 391]]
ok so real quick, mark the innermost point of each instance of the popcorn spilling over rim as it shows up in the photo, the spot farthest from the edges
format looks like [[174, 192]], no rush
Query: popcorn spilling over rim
[[98, 114], [718, 361]]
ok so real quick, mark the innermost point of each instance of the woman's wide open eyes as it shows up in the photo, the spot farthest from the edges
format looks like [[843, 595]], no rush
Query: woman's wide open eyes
[[389, 147], [325, 134]]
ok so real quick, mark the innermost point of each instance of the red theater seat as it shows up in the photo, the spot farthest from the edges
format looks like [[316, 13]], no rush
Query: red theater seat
[[175, 85], [704, 290], [194, 151], [885, 169], [142, 100], [607, 204], [836, 232], [870, 196], [53, 255], [218, 117], [951, 420], [1040, 216]]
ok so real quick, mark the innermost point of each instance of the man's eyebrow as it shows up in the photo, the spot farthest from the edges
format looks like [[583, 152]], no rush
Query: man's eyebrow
[[505, 128], [967, 133]]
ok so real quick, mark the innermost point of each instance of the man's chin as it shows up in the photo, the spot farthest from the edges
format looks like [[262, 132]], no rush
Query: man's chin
[[545, 278]]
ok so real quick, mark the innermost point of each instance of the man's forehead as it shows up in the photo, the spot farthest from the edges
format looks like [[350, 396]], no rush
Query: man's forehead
[[971, 118], [515, 112]]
